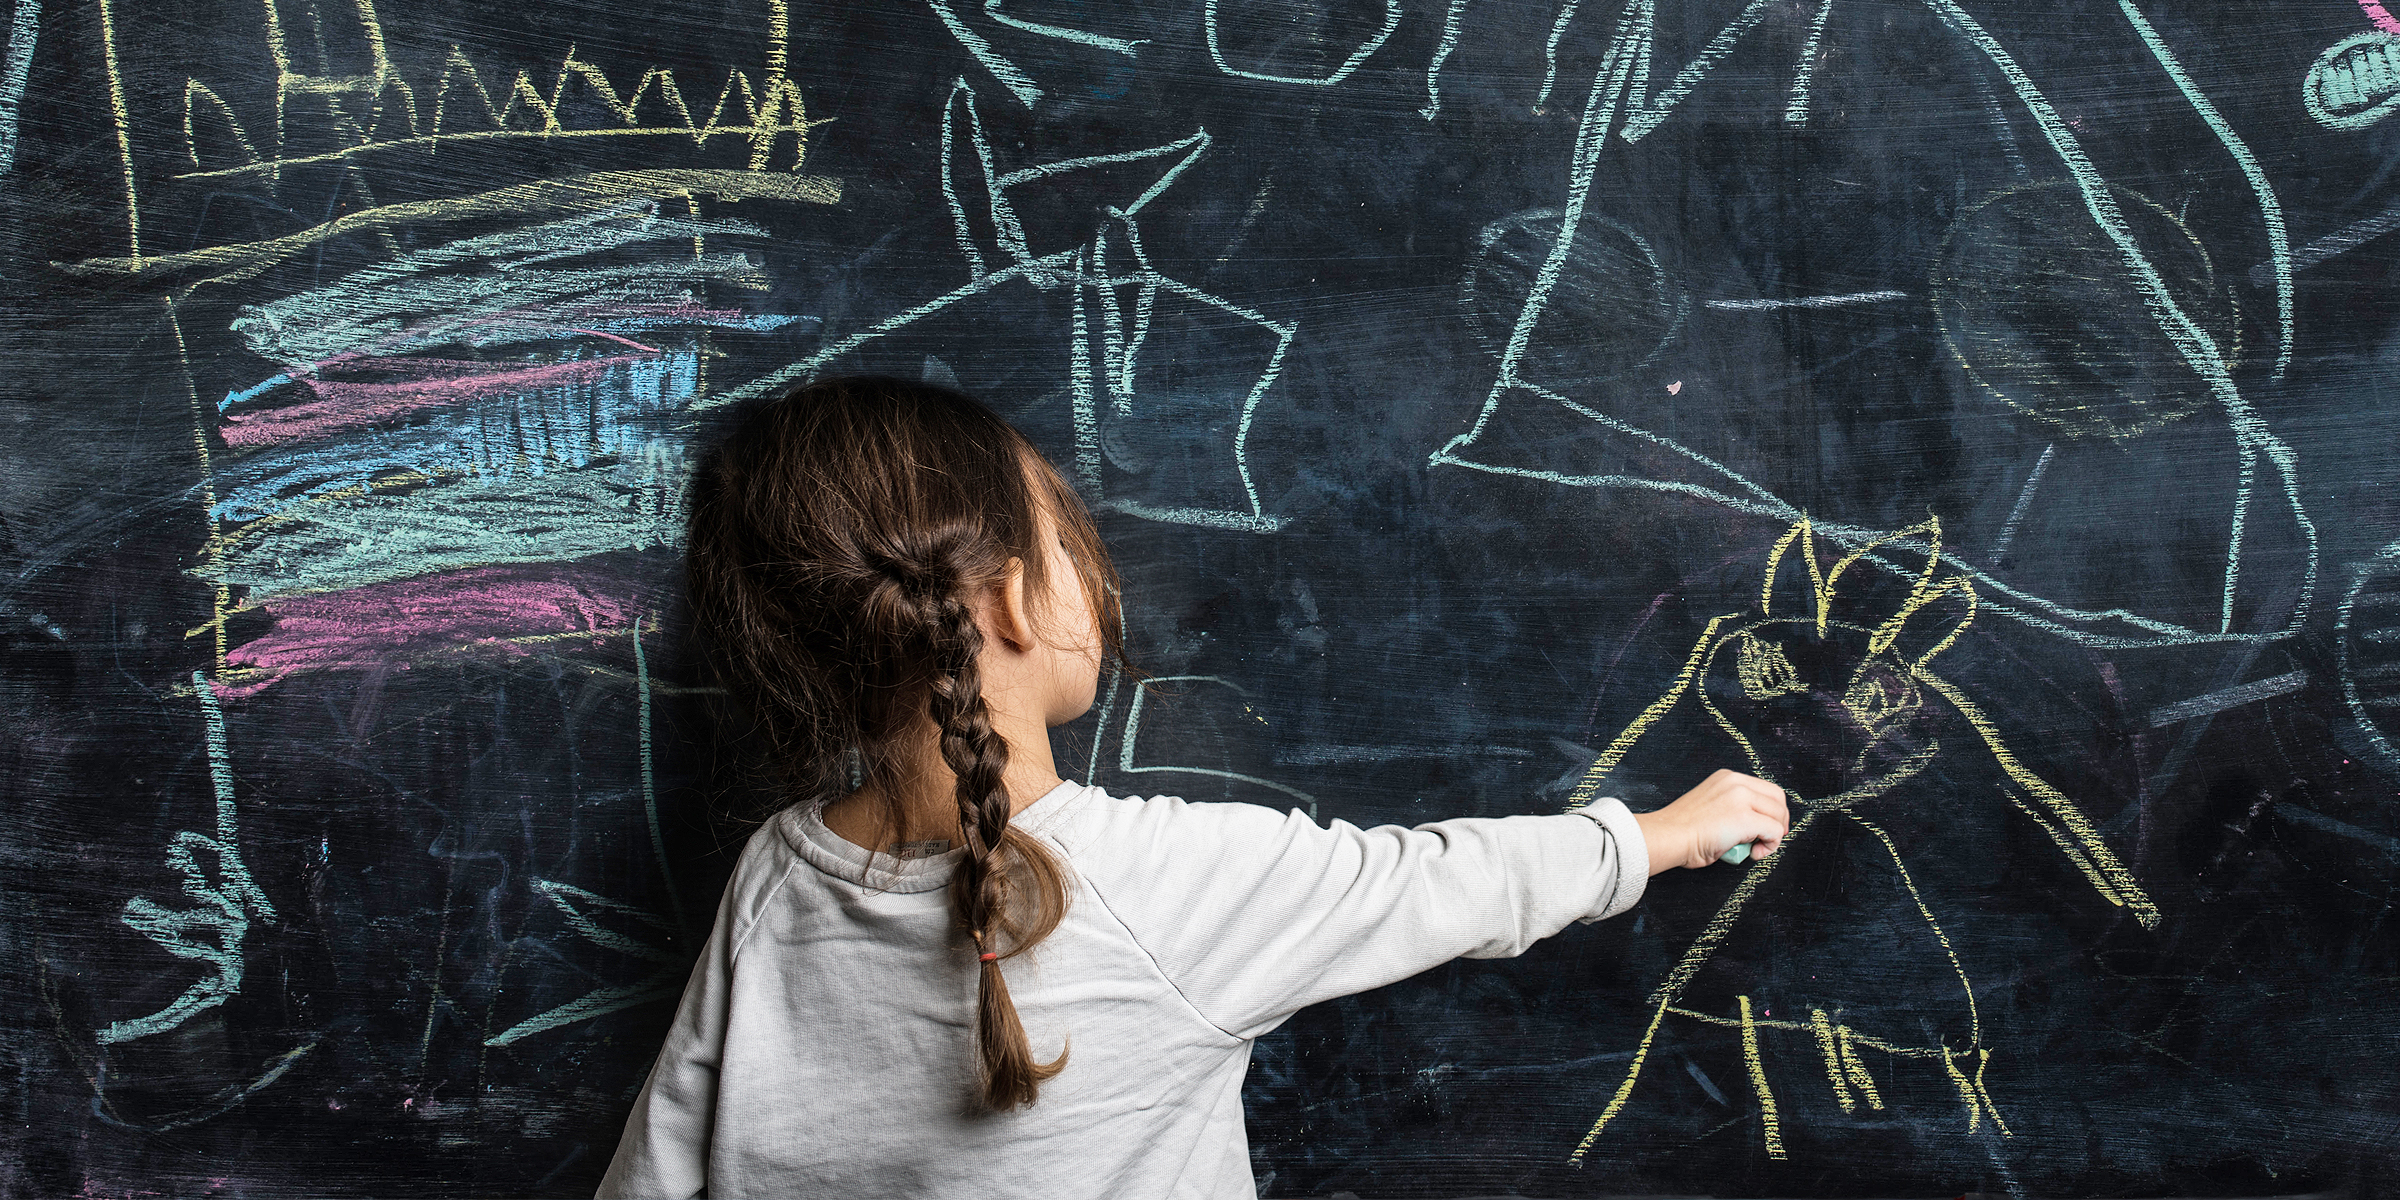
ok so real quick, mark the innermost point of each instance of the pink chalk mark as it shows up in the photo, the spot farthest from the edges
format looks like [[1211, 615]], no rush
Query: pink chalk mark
[[1675, 388], [371, 626], [2383, 18], [343, 405]]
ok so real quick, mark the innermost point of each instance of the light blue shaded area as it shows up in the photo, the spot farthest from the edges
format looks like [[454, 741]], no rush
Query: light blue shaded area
[[22, 30], [532, 433]]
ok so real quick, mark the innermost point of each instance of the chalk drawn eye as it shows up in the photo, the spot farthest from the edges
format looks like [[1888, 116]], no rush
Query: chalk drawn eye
[[1764, 671], [1879, 695]]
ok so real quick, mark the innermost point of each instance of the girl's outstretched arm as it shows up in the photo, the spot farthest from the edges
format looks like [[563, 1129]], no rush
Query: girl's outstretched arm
[[1253, 914]]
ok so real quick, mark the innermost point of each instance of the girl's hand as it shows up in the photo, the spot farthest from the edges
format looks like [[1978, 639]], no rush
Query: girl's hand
[[1726, 810]]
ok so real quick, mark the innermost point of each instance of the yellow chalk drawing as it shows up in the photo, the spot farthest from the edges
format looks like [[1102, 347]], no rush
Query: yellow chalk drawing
[[544, 197], [124, 126], [764, 111], [1855, 1069], [1831, 1048], [369, 109], [1884, 703], [1758, 1082]]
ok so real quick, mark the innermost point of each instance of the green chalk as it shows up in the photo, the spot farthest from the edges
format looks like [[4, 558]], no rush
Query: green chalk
[[1738, 852]]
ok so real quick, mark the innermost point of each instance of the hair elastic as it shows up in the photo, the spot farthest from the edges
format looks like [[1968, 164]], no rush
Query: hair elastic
[[987, 956]]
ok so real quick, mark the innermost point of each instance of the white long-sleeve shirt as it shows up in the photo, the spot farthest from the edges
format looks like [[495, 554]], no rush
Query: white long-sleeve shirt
[[825, 1043]]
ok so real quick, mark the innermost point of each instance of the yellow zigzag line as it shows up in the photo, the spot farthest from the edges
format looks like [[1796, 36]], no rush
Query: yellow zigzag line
[[767, 110]]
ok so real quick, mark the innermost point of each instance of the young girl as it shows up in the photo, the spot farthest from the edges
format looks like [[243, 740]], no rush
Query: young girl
[[945, 971]]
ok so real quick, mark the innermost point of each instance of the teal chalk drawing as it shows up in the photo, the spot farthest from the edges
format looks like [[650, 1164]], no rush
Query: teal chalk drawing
[[1558, 29], [2355, 83], [658, 841], [1087, 408], [1441, 54], [1621, 92], [2362, 574], [1795, 111], [23, 28], [1107, 364], [1010, 76], [346, 541], [223, 899], [1126, 47], [2024, 504], [1133, 730], [1844, 300], [665, 982], [2279, 241], [2252, 438], [1642, 115], [1366, 49]]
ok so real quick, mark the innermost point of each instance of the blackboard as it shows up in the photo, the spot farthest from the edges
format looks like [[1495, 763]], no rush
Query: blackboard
[[1974, 415]]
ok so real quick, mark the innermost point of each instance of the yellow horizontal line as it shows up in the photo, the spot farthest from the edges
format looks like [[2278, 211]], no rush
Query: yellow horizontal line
[[577, 193], [699, 134]]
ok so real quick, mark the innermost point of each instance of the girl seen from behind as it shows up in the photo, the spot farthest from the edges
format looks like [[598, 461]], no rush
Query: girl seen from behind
[[943, 970]]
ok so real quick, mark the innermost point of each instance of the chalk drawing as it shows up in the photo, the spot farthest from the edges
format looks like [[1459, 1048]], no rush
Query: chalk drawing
[[1845, 300], [1129, 47], [23, 28], [2017, 511], [500, 611], [2074, 352], [1795, 110], [1010, 75], [1621, 102], [1558, 29], [1365, 50], [2227, 698], [1108, 363], [504, 287], [1612, 308], [372, 109], [583, 910], [2356, 82], [1128, 740], [1441, 54], [771, 104], [123, 120], [2366, 639], [222, 898], [2279, 244], [1887, 700], [215, 265]]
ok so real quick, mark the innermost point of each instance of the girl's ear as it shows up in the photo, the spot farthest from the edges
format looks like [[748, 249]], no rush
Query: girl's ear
[[1012, 619]]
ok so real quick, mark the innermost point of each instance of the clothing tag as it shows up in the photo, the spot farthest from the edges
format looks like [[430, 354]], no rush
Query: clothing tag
[[920, 849]]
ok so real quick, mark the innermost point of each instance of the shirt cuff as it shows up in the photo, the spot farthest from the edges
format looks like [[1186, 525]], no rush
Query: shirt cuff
[[1632, 855]]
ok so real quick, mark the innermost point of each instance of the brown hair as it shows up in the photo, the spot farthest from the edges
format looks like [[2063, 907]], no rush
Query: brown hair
[[837, 539]]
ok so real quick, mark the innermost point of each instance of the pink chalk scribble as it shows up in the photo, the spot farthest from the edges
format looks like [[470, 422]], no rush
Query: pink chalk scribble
[[2383, 18], [385, 623], [348, 404]]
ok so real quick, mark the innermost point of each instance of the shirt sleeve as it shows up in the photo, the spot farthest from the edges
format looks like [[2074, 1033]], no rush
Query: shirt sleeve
[[1253, 914], [664, 1151]]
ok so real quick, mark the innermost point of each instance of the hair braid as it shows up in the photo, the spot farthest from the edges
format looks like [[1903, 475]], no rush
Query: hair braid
[[839, 538], [982, 890]]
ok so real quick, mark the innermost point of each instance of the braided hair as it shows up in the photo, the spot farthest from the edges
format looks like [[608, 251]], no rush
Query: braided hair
[[836, 539]]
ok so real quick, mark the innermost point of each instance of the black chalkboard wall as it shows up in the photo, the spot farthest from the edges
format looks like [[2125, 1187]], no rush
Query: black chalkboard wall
[[1974, 415]]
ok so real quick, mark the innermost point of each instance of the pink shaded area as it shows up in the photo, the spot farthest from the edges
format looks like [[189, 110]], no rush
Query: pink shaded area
[[342, 405], [371, 626], [2383, 18]]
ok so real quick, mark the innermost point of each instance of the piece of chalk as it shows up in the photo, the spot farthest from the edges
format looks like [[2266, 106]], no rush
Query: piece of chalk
[[1738, 852]]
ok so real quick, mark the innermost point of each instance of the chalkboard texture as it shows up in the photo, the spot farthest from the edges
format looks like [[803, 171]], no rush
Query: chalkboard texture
[[1977, 416]]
